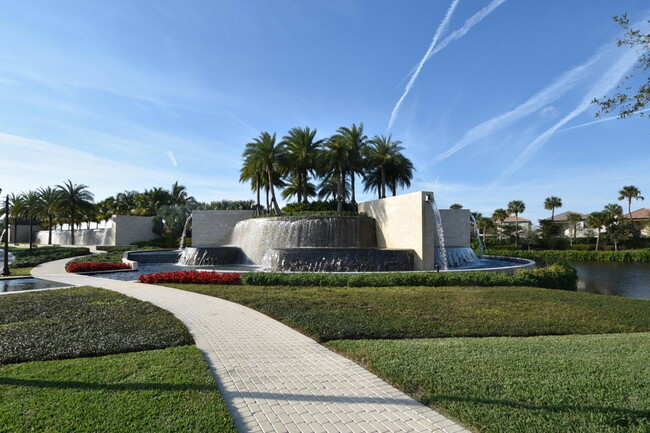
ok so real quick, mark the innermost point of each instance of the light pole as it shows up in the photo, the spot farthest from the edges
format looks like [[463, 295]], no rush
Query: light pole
[[5, 268]]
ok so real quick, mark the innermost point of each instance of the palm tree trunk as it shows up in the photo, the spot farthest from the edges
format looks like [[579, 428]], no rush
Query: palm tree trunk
[[352, 176], [339, 192], [15, 230], [516, 230], [31, 234], [72, 215], [552, 215], [268, 204], [276, 208], [383, 181], [598, 239], [49, 225], [393, 187], [257, 209]]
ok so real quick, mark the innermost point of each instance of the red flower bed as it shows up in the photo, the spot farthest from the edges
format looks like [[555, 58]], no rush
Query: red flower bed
[[95, 266], [195, 277]]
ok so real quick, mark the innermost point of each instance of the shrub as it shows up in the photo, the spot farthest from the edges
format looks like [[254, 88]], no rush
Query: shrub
[[591, 256], [556, 276], [47, 254], [110, 257], [195, 277], [95, 266]]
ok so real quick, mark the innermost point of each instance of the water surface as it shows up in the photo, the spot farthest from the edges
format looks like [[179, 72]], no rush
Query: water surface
[[630, 280]]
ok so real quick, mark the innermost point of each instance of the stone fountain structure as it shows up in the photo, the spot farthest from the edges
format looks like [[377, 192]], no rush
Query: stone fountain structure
[[396, 234]]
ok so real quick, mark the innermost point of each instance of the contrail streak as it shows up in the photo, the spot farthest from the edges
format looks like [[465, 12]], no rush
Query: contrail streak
[[471, 22], [593, 122], [607, 82], [541, 99], [441, 28]]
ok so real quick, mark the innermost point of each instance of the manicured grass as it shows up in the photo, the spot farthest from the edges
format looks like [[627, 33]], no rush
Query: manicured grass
[[578, 384], [45, 254], [109, 257], [330, 313], [169, 390], [18, 272], [84, 321]]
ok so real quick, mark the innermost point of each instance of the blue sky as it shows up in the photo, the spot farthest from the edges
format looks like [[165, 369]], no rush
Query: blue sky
[[129, 95]]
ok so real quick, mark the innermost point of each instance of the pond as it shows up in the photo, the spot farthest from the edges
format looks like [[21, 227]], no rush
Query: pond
[[630, 280], [22, 284]]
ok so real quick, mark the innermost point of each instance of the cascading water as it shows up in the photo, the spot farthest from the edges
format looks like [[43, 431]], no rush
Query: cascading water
[[187, 223], [81, 237], [481, 246], [444, 262], [105, 235]]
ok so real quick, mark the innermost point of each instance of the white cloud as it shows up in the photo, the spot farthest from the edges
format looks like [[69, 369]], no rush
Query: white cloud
[[171, 158]]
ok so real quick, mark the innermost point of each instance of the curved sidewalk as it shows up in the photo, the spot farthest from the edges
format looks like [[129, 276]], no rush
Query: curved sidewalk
[[273, 378]]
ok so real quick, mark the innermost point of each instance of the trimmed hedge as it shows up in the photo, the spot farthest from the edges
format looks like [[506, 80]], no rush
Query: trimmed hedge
[[95, 266], [82, 321], [109, 257], [46, 254], [557, 276], [587, 256], [191, 277]]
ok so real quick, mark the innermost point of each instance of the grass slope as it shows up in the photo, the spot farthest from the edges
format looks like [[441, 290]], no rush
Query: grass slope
[[579, 384], [329, 313], [169, 390], [84, 321]]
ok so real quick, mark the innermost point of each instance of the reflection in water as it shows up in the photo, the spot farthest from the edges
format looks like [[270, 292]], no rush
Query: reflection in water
[[631, 280]]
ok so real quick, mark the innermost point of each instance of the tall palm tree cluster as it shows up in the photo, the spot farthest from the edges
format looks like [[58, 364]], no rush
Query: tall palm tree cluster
[[335, 162], [73, 204]]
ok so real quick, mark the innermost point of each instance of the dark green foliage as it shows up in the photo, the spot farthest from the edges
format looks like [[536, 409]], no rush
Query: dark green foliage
[[557, 276], [84, 321], [317, 208], [46, 254], [111, 257], [161, 391], [328, 313], [316, 213], [160, 243], [109, 248], [578, 384], [588, 256]]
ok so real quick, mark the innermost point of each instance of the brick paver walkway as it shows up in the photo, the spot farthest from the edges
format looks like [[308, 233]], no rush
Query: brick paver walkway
[[273, 378]]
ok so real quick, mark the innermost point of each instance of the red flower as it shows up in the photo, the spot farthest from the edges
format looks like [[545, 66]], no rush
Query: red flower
[[95, 266], [191, 277]]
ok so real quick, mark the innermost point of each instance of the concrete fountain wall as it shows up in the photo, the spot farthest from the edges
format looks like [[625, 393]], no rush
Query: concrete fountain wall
[[407, 221]]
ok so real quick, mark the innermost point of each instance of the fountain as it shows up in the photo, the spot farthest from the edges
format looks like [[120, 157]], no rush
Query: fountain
[[185, 226], [83, 237], [481, 245], [441, 251]]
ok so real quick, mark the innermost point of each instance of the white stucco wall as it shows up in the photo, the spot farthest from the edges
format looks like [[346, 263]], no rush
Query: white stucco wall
[[212, 228], [128, 229], [407, 221]]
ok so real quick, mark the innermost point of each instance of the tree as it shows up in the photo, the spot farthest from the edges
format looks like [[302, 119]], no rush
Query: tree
[[574, 219], [499, 215], [302, 158], [179, 196], [597, 220], [356, 143], [381, 153], [33, 207], [516, 207], [293, 189], [629, 103], [629, 192], [151, 200], [73, 200], [268, 156], [551, 203], [50, 198], [16, 211], [126, 203], [399, 172], [336, 156], [252, 171], [456, 206]]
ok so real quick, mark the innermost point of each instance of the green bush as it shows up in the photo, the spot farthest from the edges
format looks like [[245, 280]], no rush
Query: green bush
[[109, 248], [556, 276], [550, 256], [82, 321], [111, 257], [46, 254]]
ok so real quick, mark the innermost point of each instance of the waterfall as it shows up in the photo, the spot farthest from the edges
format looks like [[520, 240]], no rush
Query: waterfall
[[481, 245], [444, 262], [187, 223]]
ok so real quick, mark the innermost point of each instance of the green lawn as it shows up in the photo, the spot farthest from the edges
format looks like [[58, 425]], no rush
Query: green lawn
[[169, 390], [579, 384], [330, 313], [83, 321]]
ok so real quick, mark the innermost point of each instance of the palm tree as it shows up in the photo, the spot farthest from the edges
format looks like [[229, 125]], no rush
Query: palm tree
[[399, 172], [16, 211], [33, 206], [499, 215], [574, 218], [73, 200], [551, 203], [126, 203], [597, 220], [336, 155], [302, 157], [294, 189], [516, 207], [629, 192], [456, 206], [251, 171], [50, 198], [381, 152], [178, 195], [357, 143], [151, 200], [271, 157], [328, 189]]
